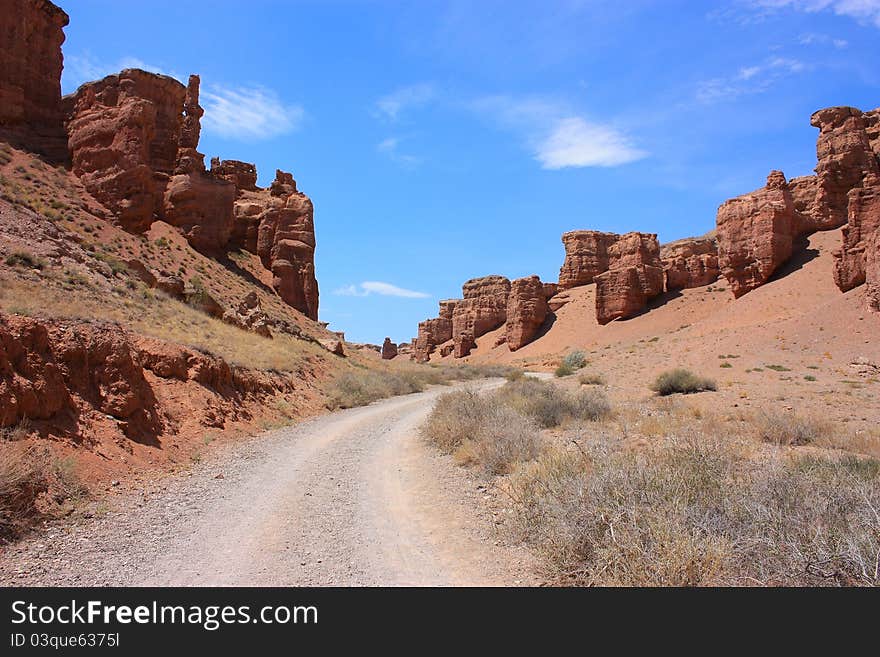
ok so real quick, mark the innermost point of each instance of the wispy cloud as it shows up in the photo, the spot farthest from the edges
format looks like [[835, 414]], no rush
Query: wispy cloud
[[748, 80], [83, 67], [253, 112], [813, 39], [378, 287], [558, 136], [866, 11], [392, 105], [391, 148]]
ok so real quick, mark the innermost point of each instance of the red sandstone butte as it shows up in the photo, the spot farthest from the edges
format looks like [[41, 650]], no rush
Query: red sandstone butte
[[690, 262], [634, 277], [389, 349], [755, 234], [123, 136], [483, 309], [286, 244], [872, 272], [864, 222], [31, 113], [526, 311], [433, 332], [586, 256]]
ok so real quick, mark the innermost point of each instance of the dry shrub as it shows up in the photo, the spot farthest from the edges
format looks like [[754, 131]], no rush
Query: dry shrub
[[591, 380], [480, 432], [681, 381], [24, 476], [550, 405], [359, 388], [791, 429], [700, 512]]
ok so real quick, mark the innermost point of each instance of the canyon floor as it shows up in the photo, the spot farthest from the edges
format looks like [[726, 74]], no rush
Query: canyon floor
[[351, 498]]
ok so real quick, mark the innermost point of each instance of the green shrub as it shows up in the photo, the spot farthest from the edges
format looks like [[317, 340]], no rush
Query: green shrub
[[551, 405], [681, 381], [563, 370], [575, 360]]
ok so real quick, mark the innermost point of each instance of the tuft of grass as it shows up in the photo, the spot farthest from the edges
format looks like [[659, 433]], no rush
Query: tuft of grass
[[778, 368], [681, 381], [809, 377], [24, 477], [591, 379], [563, 370], [725, 365], [25, 259]]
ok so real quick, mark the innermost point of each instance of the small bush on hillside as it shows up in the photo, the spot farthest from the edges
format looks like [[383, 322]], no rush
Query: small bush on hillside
[[456, 417], [575, 360], [504, 439], [24, 259], [361, 388], [681, 381]]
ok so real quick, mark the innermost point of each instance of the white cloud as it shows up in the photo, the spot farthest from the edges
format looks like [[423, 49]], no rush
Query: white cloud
[[378, 287], [748, 80], [248, 112], [392, 105], [575, 142], [812, 39], [391, 148], [867, 11], [557, 136]]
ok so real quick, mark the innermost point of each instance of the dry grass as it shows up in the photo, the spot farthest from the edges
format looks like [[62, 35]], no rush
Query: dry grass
[[791, 428], [551, 405], [480, 432], [24, 476], [699, 511], [591, 379], [681, 381]]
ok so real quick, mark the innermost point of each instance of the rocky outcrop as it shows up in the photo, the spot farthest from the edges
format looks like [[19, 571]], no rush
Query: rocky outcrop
[[389, 349], [64, 373], [483, 309], [872, 272], [755, 234], [286, 244], [634, 277], [526, 311], [123, 139], [691, 262], [850, 261], [845, 156], [249, 316], [241, 174], [201, 206], [434, 332], [586, 256], [31, 114]]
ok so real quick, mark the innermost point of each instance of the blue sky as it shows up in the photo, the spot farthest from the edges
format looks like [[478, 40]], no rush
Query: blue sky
[[441, 141]]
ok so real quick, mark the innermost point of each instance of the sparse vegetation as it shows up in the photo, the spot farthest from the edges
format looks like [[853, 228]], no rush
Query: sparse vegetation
[[563, 370], [551, 405], [24, 476], [681, 381], [725, 365], [24, 259], [591, 379], [778, 368], [697, 511], [790, 428], [575, 360]]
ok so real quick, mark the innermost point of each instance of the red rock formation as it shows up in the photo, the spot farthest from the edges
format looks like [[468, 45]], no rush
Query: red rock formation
[[433, 332], [864, 223], [483, 309], [31, 114], [845, 156], [526, 311], [755, 234], [123, 137], [286, 244], [202, 207], [634, 277], [691, 262], [872, 272], [586, 256], [242, 174], [389, 349]]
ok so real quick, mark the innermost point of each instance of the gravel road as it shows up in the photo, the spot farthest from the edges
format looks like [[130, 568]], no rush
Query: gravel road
[[351, 498]]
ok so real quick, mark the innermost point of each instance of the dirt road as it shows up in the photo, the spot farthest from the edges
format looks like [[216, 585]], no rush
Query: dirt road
[[350, 498]]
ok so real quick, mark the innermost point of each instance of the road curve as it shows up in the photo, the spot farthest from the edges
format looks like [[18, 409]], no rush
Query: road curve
[[351, 498]]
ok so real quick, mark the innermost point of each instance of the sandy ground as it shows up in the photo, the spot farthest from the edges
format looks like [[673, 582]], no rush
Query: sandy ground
[[351, 498]]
